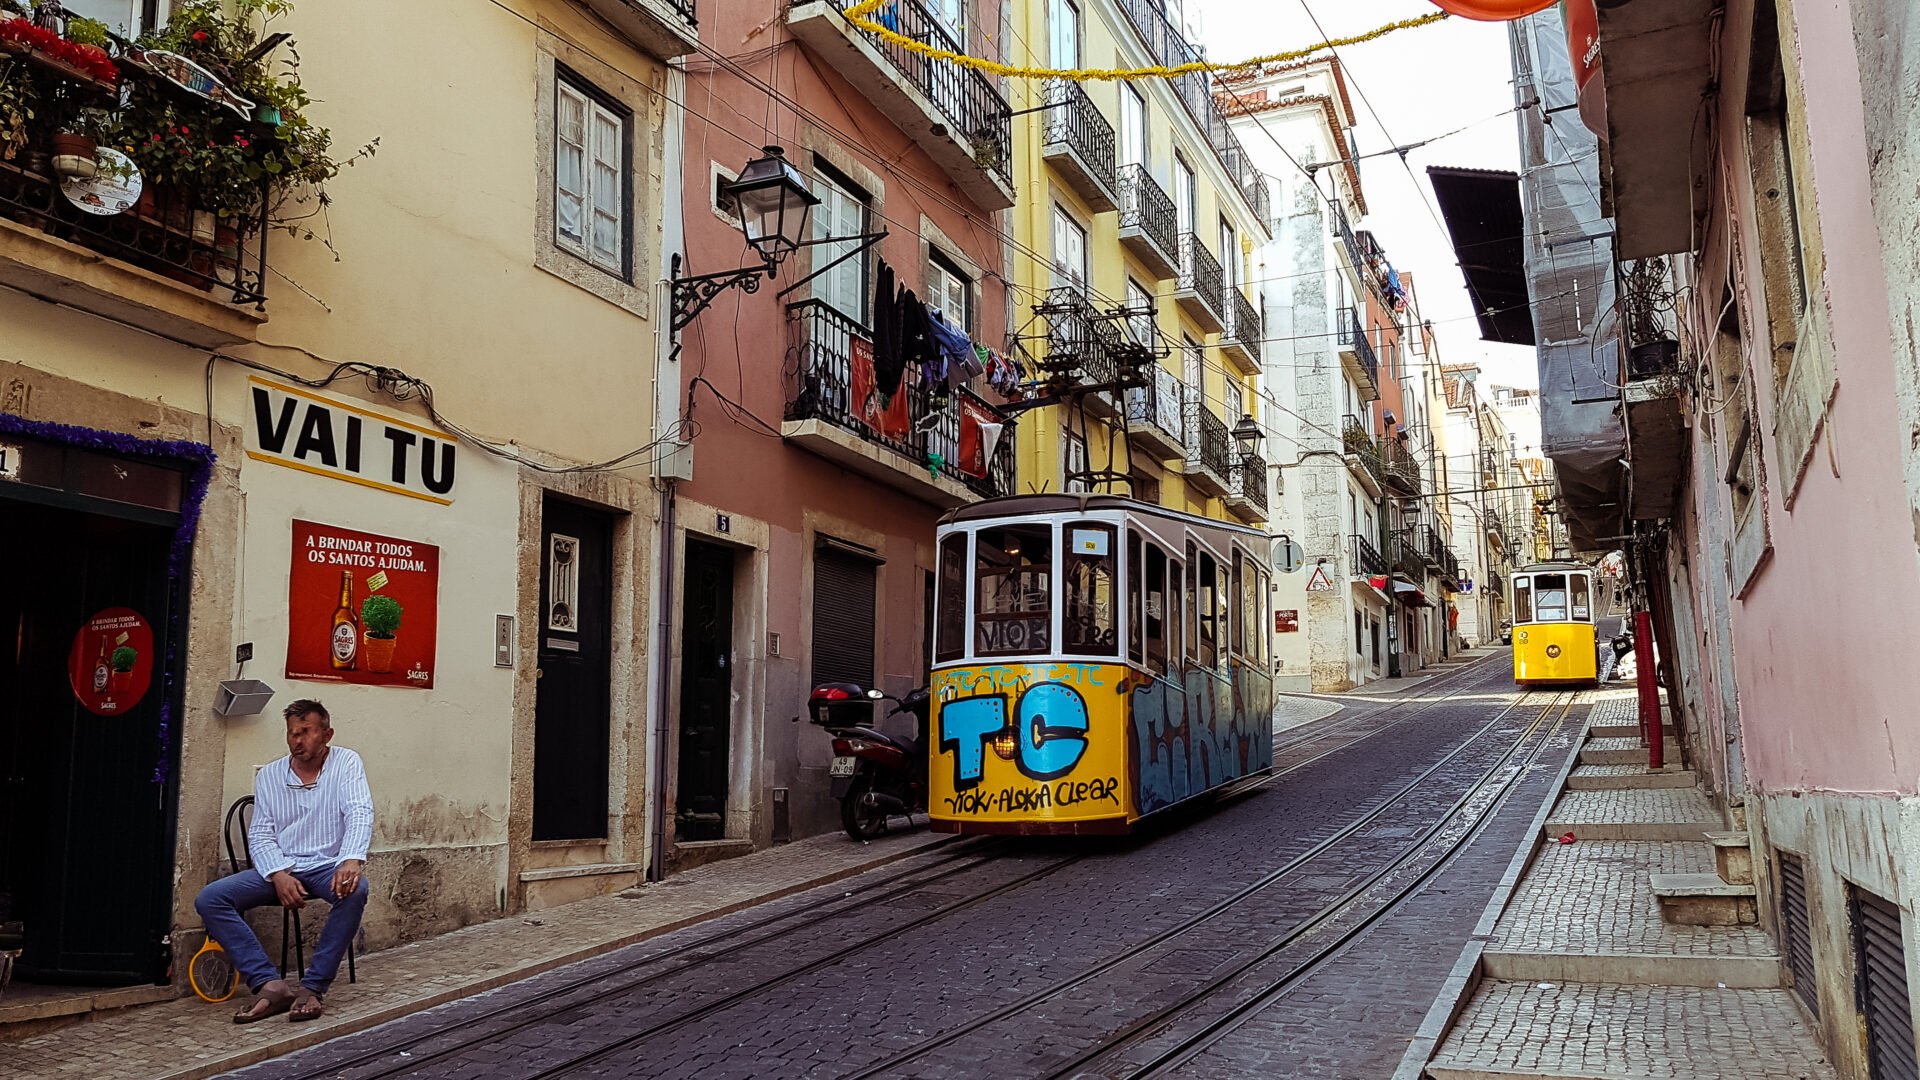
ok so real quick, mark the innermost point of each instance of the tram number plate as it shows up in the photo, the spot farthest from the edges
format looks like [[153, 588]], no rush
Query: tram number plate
[[843, 766]]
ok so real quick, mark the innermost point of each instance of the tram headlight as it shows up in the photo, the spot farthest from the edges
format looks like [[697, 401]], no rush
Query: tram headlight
[[1553, 652], [1005, 744]]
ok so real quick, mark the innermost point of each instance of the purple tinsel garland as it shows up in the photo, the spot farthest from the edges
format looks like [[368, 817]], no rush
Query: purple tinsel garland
[[197, 455]]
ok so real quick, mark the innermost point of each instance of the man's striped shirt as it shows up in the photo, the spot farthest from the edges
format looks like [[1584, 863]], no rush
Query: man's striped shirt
[[301, 828]]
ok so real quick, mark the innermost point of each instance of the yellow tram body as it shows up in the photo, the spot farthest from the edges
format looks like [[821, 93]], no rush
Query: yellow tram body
[[1096, 660], [1553, 608]]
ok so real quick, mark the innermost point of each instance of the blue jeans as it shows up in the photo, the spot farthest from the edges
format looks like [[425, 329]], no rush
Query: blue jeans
[[223, 905]]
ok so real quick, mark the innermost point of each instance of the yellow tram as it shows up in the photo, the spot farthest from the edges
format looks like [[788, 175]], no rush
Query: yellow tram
[[1553, 625], [1096, 659]]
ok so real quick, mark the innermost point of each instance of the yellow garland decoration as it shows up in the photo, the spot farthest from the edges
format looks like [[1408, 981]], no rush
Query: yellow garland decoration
[[858, 16]]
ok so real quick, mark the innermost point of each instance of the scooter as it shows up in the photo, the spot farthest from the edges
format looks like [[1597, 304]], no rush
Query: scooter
[[874, 775]]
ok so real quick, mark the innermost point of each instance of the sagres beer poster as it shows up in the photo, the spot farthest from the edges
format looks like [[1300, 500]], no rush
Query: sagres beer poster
[[362, 608]]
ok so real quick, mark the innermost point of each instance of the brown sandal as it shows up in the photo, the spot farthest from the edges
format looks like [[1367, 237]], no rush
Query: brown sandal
[[272, 1000], [307, 1005]]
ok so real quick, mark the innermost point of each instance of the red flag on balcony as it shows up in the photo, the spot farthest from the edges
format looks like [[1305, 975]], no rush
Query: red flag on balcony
[[973, 449], [890, 422]]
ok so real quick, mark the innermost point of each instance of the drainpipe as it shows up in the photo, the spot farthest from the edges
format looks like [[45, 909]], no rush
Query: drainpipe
[[657, 773], [1649, 690]]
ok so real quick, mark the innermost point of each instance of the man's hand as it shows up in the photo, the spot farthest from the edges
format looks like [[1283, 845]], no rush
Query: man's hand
[[292, 894], [346, 879]]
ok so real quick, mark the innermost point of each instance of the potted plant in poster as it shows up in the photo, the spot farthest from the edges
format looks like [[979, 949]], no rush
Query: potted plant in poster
[[124, 658], [380, 619]]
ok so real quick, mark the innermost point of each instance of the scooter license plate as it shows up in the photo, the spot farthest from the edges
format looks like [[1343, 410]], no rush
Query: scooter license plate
[[844, 766]]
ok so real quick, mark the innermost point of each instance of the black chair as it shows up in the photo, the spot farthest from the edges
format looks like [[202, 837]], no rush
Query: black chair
[[240, 857]]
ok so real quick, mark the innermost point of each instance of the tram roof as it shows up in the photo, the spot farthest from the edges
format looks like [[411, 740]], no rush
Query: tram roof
[[1016, 506], [1551, 566]]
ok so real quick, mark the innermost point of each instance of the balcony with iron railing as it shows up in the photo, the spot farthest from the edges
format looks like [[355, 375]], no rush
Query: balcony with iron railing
[[1155, 419], [1149, 224], [1495, 526], [1240, 343], [834, 410], [1209, 447], [1366, 557], [1350, 246], [1407, 559], [1403, 469], [1091, 351], [1363, 455], [1199, 291], [1356, 352], [955, 114], [665, 28], [1247, 487], [1079, 143]]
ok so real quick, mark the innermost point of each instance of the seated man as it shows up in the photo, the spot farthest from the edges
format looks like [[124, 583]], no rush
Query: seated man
[[312, 824]]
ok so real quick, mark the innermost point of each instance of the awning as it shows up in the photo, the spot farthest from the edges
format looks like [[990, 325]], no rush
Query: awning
[[1482, 210], [1410, 595]]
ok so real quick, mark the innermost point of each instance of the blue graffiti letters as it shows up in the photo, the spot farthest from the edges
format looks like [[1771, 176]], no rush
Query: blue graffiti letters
[[1047, 732], [965, 727], [1053, 727]]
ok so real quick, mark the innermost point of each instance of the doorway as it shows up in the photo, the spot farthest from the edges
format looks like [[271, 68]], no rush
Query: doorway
[[82, 786], [706, 693], [570, 717]]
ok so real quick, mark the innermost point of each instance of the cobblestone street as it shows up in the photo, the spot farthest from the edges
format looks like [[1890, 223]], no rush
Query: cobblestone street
[[1303, 927]]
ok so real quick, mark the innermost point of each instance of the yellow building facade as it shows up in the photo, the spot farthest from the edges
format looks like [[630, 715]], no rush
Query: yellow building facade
[[1130, 285]]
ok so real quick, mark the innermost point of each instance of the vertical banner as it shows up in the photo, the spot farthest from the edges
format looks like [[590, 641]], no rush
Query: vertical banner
[[892, 422], [362, 608], [973, 449]]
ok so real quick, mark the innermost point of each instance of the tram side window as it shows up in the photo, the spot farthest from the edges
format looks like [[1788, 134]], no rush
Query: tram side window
[[1207, 602], [1157, 609], [1236, 603], [950, 629], [1550, 598], [1136, 596], [1522, 600], [1091, 589], [1582, 608], [1176, 611], [1260, 637], [1190, 611], [1013, 586]]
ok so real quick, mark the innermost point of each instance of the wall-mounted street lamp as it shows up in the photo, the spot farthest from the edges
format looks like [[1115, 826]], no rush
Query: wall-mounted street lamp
[[1247, 434], [775, 208]]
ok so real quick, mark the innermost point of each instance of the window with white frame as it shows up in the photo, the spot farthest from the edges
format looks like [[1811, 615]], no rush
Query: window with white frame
[[1140, 325], [1069, 250], [952, 16], [590, 177], [1184, 203], [1133, 126], [843, 211], [949, 291], [1073, 457], [128, 18], [1229, 253], [1063, 29]]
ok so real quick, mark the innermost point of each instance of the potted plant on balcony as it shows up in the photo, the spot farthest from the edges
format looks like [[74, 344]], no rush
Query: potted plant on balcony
[[380, 621]]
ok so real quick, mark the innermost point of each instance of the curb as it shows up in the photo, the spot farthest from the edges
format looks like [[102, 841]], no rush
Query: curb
[[354, 1024], [1465, 977]]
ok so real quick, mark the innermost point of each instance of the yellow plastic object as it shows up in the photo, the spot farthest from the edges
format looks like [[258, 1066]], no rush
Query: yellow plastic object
[[210, 972], [1494, 10]]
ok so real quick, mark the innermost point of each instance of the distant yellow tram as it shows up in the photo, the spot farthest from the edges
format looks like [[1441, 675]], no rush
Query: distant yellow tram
[[1096, 660], [1553, 625]]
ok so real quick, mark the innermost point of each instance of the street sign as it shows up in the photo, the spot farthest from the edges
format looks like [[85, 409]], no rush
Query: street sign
[[1319, 582], [1287, 555]]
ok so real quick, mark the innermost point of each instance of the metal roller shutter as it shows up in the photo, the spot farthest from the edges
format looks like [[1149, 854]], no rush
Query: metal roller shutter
[[843, 621], [1796, 930], [1881, 961]]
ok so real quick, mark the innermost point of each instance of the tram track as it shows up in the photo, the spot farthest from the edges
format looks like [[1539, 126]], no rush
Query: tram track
[[1492, 784], [1285, 871]]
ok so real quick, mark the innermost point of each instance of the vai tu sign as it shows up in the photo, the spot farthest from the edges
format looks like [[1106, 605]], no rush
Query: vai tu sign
[[302, 430]]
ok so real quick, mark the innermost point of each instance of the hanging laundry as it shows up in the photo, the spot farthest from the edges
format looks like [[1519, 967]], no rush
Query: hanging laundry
[[888, 360], [916, 342], [954, 349]]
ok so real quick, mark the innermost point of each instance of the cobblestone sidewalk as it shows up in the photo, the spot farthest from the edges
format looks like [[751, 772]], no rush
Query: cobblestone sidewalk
[[188, 1038]]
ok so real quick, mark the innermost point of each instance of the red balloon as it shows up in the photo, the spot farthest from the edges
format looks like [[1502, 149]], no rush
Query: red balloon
[[1494, 10]]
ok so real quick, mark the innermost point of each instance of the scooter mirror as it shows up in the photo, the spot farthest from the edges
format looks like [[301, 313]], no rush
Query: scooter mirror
[[876, 694]]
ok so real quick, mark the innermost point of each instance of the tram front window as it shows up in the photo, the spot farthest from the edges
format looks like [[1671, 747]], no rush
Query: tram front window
[[1522, 600], [1090, 592], [1013, 575], [1550, 598]]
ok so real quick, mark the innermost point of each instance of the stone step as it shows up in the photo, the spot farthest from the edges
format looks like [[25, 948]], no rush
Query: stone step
[[1622, 731], [1704, 900], [1669, 831], [1636, 754], [1627, 778], [1636, 968], [1733, 856]]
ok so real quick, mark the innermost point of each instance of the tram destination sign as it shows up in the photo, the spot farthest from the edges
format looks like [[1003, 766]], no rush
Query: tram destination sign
[[302, 430]]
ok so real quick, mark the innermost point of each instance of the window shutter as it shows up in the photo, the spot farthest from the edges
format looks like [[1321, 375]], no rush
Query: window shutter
[[570, 169], [1796, 931], [608, 188], [844, 587], [1880, 958]]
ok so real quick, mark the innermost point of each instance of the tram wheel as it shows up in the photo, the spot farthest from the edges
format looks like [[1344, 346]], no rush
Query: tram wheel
[[861, 819]]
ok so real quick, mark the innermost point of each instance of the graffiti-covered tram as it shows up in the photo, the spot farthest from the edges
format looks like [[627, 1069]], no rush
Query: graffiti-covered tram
[[1096, 659], [1554, 606]]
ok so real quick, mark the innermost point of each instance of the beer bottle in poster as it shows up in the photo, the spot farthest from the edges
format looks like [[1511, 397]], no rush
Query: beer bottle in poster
[[101, 670], [346, 628]]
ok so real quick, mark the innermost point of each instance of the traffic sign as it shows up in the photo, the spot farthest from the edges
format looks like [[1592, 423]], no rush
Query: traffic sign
[[1287, 555]]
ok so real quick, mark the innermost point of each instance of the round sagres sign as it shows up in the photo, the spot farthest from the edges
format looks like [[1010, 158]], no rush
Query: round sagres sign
[[111, 664]]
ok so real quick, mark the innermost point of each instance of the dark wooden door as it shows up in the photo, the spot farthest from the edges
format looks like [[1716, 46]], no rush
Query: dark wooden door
[[570, 752], [86, 856], [706, 692]]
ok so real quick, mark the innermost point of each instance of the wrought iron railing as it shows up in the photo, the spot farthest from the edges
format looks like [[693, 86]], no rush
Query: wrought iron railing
[[1350, 242], [1243, 321], [1355, 439], [822, 388], [1403, 469], [1406, 558], [978, 113], [1074, 122], [1495, 525], [1200, 271], [1083, 344], [1158, 404], [685, 8], [1495, 584], [1208, 442], [1145, 207], [1366, 557], [1355, 334], [1249, 481]]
